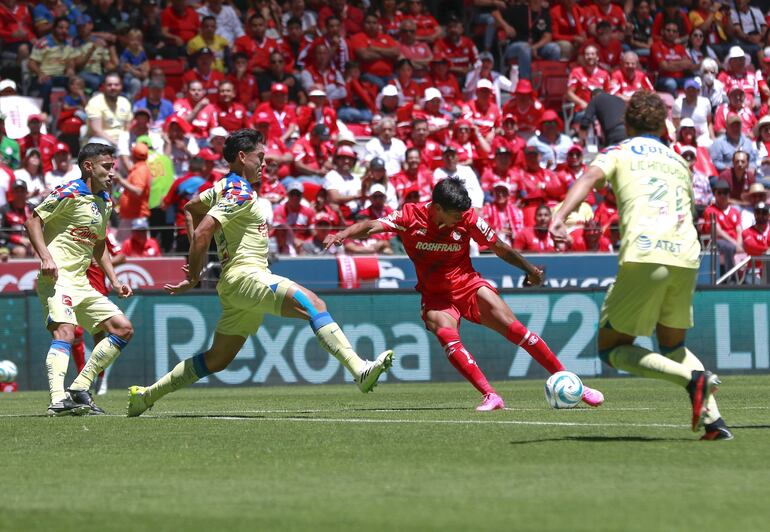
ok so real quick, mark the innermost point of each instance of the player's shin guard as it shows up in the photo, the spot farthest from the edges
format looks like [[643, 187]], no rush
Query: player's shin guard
[[462, 360], [184, 374], [79, 349], [645, 363], [104, 353], [333, 341], [56, 363], [535, 346], [688, 359]]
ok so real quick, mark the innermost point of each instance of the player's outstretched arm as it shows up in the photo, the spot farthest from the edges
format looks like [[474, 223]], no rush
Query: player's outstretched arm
[[194, 211], [34, 225], [104, 261], [514, 258], [575, 196], [358, 231]]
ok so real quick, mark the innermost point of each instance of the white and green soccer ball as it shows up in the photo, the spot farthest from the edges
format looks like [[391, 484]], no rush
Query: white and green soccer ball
[[8, 371], [563, 389]]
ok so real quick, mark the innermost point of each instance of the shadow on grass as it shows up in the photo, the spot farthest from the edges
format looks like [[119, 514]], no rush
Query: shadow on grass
[[761, 427], [603, 439]]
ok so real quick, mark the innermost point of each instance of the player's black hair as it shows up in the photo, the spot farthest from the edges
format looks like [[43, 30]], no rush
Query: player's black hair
[[245, 140], [451, 195], [93, 150]]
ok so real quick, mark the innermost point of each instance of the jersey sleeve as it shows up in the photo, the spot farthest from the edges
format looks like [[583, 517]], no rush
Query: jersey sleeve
[[480, 230], [207, 197], [230, 203], [398, 220], [51, 206], [607, 162]]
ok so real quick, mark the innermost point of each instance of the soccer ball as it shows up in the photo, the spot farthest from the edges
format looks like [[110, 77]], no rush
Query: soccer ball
[[563, 389], [8, 371]]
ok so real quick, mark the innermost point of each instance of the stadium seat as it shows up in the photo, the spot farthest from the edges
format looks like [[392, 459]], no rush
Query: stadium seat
[[549, 78], [173, 69]]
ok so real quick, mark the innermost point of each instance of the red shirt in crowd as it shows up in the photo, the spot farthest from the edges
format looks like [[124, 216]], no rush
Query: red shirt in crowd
[[625, 88], [613, 14], [184, 26], [579, 242], [246, 89], [748, 82], [431, 153], [528, 119], [530, 239], [232, 118], [299, 219], [508, 219], [566, 23], [426, 24], [485, 121], [583, 83], [729, 220], [660, 51], [279, 120], [462, 54], [423, 182], [203, 121], [45, 143], [144, 246], [755, 242], [308, 155], [748, 119], [377, 67], [210, 83], [352, 18]]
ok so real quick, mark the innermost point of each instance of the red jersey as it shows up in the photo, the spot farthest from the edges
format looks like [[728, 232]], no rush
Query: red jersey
[[13, 20], [96, 276], [449, 89], [614, 15], [45, 143], [280, 120], [426, 24], [423, 184], [210, 82], [748, 82], [527, 119], [431, 153], [184, 26], [492, 176], [246, 89], [487, 120], [273, 191], [729, 220], [182, 190], [299, 220], [528, 239], [567, 23], [605, 214], [620, 86], [582, 83], [418, 51], [233, 118], [259, 52], [748, 119], [308, 116], [508, 220], [138, 248], [756, 242], [660, 51], [579, 242], [352, 18], [378, 67], [203, 121], [462, 54], [441, 255], [308, 155]]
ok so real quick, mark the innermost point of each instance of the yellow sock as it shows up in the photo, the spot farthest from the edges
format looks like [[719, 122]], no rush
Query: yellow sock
[[104, 354], [645, 363], [56, 363], [184, 374], [334, 342], [688, 359]]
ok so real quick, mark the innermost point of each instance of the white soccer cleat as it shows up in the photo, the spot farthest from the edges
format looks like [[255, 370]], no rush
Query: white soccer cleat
[[367, 380], [137, 402]]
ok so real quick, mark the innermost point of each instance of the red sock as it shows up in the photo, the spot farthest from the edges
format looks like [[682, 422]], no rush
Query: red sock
[[462, 360], [79, 349], [535, 346]]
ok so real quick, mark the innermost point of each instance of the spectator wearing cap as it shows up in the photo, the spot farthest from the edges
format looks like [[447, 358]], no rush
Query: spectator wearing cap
[[283, 116], [431, 152], [292, 220], [736, 104], [450, 168], [728, 223], [33, 175], [536, 238], [317, 111], [159, 107], [257, 45], [134, 199], [414, 175], [376, 52], [178, 143], [739, 176], [568, 29], [732, 140], [584, 79], [502, 214], [312, 156], [140, 243], [8, 87], [13, 214], [210, 38], [550, 141], [670, 60], [386, 146], [246, 89], [697, 108], [182, 190], [109, 114], [756, 240], [211, 171], [92, 55], [609, 111], [628, 79], [527, 27], [52, 60], [217, 138], [386, 103], [589, 238], [500, 171], [508, 137], [322, 73], [483, 113], [484, 72], [196, 109], [538, 185], [472, 149], [204, 72], [63, 170], [445, 82], [228, 23], [44, 142], [344, 189], [525, 108], [749, 26], [376, 174], [230, 114], [279, 71], [418, 52], [572, 168], [756, 194], [377, 206], [179, 24]]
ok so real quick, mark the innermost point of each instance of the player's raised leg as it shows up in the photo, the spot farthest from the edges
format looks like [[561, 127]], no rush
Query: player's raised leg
[[119, 332], [444, 326], [56, 363], [496, 315], [299, 302]]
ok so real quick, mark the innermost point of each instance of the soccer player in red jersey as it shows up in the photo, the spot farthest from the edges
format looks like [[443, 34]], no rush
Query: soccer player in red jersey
[[436, 236]]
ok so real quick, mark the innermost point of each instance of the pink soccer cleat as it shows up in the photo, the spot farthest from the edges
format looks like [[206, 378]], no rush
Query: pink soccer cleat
[[491, 401], [592, 397]]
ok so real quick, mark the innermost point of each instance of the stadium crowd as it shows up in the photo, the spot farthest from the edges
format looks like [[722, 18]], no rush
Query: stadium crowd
[[365, 105]]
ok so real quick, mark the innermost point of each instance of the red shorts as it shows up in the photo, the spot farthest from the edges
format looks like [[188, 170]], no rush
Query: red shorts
[[460, 302]]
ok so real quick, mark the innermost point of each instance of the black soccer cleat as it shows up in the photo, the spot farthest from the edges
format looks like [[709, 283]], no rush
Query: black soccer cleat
[[717, 431], [83, 397], [67, 407]]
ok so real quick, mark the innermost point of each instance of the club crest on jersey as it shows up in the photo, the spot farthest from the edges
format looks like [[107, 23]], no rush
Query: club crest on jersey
[[66, 300], [456, 235]]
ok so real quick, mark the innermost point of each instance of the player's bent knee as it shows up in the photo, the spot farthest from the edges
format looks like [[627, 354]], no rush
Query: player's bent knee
[[64, 333]]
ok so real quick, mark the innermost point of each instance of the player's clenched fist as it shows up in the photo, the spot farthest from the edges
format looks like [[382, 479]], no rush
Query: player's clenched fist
[[48, 268], [123, 290], [332, 240], [535, 278]]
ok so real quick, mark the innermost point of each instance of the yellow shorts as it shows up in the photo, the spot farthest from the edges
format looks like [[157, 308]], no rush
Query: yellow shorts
[[246, 296], [78, 305], [647, 294]]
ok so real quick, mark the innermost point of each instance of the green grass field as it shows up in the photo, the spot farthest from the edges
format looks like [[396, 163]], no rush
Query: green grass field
[[407, 457]]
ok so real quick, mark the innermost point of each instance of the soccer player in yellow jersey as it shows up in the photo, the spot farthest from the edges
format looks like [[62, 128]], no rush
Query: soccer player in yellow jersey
[[67, 229], [658, 261], [247, 289]]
